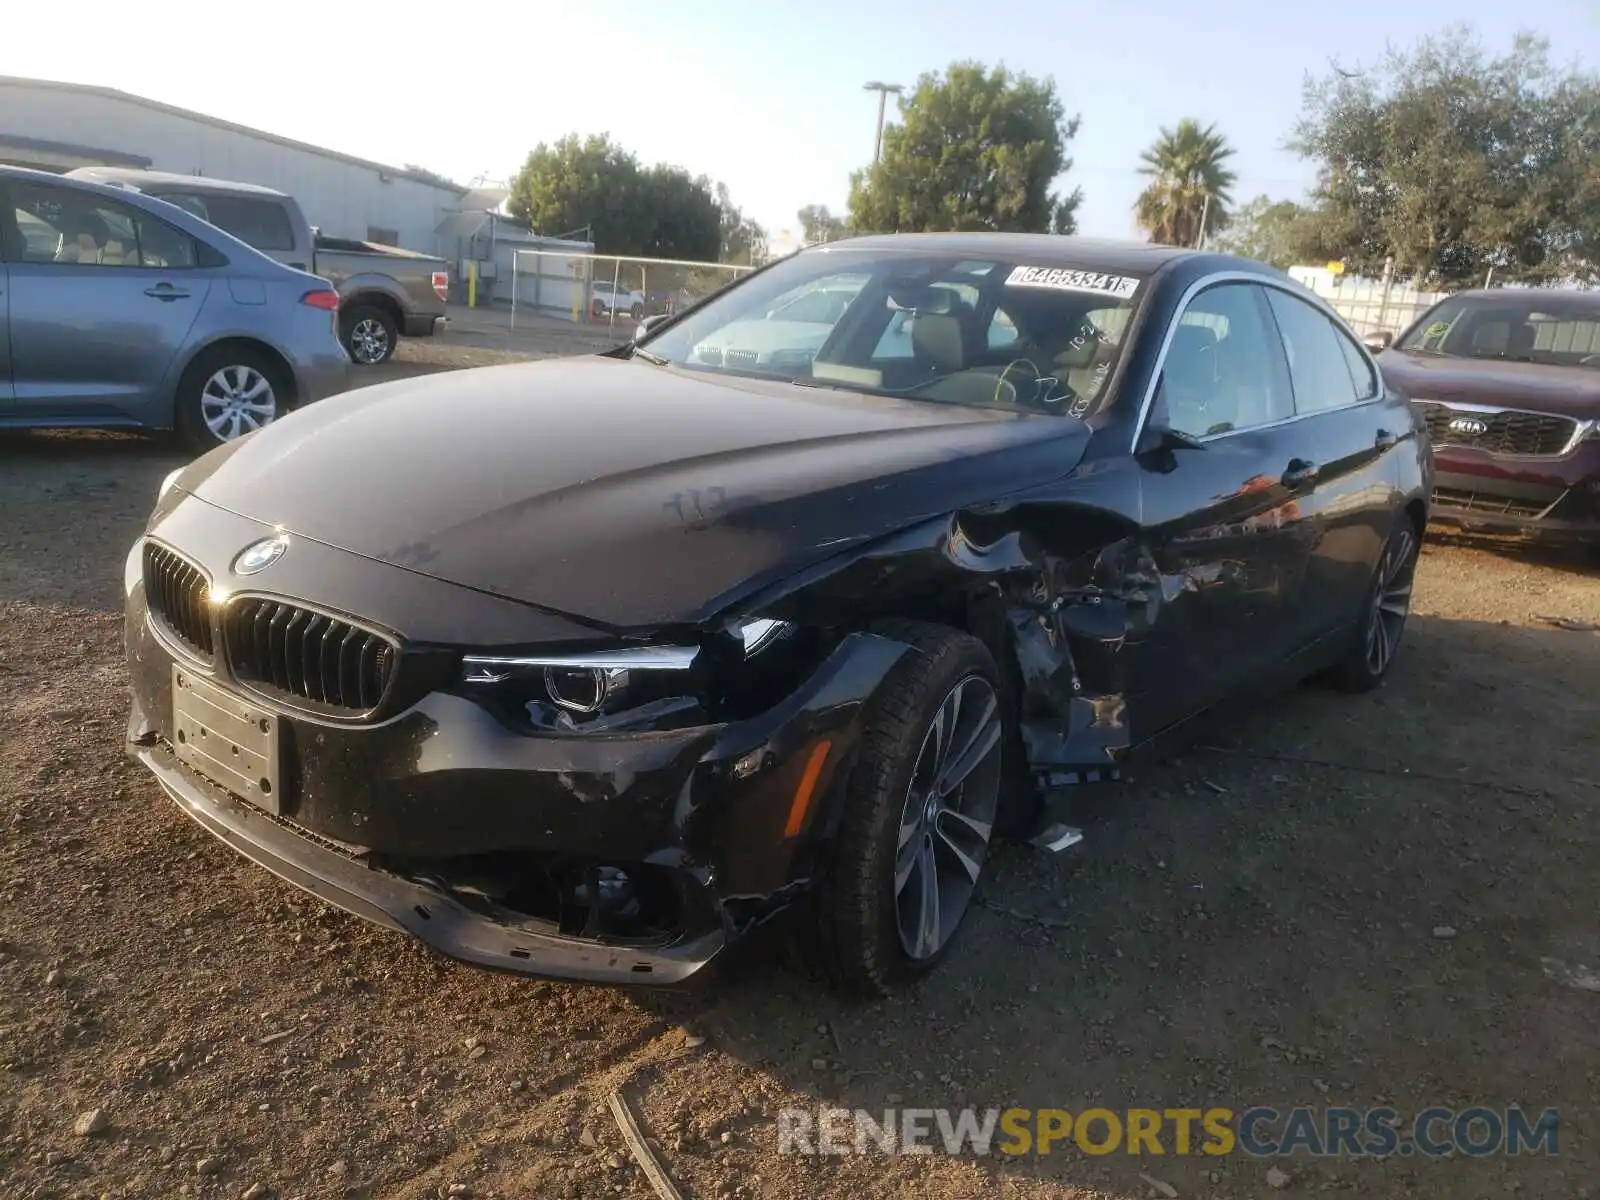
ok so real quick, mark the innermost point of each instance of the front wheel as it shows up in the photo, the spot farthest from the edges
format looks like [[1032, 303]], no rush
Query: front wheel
[[637, 312], [1383, 619], [920, 809], [369, 335]]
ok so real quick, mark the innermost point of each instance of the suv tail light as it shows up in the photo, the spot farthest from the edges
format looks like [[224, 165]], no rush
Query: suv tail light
[[326, 300], [441, 284]]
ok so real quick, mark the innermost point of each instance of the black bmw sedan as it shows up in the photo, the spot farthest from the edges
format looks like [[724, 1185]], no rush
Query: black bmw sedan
[[587, 668]]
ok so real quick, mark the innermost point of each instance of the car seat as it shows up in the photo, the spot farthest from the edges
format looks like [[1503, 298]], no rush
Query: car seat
[[938, 337]]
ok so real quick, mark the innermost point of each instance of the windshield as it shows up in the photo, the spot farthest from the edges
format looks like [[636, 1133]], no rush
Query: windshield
[[1559, 329], [1039, 336]]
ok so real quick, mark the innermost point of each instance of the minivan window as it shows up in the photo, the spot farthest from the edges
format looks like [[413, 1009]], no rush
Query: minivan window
[[260, 223]]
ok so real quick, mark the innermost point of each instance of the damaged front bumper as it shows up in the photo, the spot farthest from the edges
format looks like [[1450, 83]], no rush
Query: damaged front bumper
[[486, 842], [431, 914]]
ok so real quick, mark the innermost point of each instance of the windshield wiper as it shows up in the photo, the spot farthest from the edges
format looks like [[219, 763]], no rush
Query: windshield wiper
[[811, 381], [655, 360]]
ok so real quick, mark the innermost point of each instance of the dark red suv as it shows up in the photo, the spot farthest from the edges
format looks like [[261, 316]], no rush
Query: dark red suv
[[1509, 383]]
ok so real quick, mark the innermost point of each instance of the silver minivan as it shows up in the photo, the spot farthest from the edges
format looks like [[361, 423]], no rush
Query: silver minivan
[[120, 310]]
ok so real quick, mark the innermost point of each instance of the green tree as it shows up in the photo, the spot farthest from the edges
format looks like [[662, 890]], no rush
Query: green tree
[[1267, 230], [740, 238], [685, 217], [975, 148], [1189, 182], [1452, 163], [818, 224], [658, 211]]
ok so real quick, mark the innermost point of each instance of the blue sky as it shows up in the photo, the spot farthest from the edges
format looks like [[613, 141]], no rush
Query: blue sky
[[766, 97]]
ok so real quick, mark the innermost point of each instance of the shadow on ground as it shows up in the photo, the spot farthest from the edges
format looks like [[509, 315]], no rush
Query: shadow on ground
[[1247, 924], [1256, 925]]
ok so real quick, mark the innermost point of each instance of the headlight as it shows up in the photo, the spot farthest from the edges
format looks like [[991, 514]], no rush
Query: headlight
[[759, 634], [600, 688], [166, 484], [613, 688], [478, 668]]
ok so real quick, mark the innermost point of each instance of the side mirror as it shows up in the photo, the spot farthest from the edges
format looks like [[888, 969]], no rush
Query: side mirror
[[1158, 447], [1378, 342], [649, 323]]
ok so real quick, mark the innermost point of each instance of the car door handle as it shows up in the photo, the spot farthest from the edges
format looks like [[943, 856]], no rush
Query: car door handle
[[1299, 472], [1384, 440], [165, 291]]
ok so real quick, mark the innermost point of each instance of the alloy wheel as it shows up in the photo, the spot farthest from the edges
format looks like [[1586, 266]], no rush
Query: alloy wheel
[[1391, 600], [237, 400], [369, 341], [947, 818]]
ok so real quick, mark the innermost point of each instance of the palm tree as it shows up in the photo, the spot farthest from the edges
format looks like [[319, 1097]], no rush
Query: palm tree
[[1188, 180]]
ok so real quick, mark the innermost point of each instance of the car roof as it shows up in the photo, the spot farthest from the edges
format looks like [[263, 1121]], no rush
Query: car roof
[[192, 183], [1091, 254], [1531, 295]]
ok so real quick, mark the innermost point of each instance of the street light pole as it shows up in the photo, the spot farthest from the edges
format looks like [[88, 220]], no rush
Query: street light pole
[[883, 90]]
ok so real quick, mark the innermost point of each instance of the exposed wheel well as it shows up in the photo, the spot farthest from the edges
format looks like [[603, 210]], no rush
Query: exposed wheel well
[[373, 300], [1418, 512], [260, 349]]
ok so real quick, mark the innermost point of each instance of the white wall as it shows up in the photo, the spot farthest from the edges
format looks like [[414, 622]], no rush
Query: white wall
[[343, 198]]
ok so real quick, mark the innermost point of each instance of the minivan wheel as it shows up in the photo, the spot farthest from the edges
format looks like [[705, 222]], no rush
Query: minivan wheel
[[227, 393], [920, 808], [1383, 619], [369, 335]]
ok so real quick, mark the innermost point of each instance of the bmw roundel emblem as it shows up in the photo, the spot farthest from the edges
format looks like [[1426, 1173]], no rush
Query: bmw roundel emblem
[[258, 556]]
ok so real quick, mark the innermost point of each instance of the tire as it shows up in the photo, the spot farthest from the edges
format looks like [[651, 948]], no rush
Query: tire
[[1383, 617], [226, 393], [597, 310], [369, 334], [637, 312], [871, 928]]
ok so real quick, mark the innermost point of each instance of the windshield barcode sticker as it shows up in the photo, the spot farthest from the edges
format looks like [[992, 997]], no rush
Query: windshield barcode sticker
[[1066, 280]]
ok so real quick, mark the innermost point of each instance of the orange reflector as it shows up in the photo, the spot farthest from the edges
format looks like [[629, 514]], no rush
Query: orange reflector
[[801, 804]]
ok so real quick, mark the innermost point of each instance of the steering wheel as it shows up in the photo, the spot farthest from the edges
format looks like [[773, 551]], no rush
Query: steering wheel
[[1044, 387]]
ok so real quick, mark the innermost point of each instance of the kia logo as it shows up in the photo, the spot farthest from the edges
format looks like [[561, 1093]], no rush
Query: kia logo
[[1469, 426]]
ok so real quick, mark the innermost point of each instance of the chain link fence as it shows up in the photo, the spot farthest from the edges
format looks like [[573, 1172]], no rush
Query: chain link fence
[[610, 290], [1369, 305]]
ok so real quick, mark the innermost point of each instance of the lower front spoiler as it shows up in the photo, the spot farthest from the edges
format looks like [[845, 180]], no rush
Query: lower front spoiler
[[425, 913], [1540, 528]]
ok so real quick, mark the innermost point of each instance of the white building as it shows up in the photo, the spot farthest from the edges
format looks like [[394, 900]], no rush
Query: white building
[[59, 126]]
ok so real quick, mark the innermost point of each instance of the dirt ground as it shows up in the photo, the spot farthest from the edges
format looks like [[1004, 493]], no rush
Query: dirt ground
[[1255, 922]]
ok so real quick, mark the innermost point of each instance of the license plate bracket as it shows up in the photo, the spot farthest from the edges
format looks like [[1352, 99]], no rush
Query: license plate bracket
[[228, 740]]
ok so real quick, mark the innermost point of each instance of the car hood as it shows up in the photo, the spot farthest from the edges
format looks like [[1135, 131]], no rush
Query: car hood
[[1541, 387], [627, 494]]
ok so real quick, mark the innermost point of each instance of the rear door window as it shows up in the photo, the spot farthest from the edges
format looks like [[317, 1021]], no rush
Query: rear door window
[[1317, 364]]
